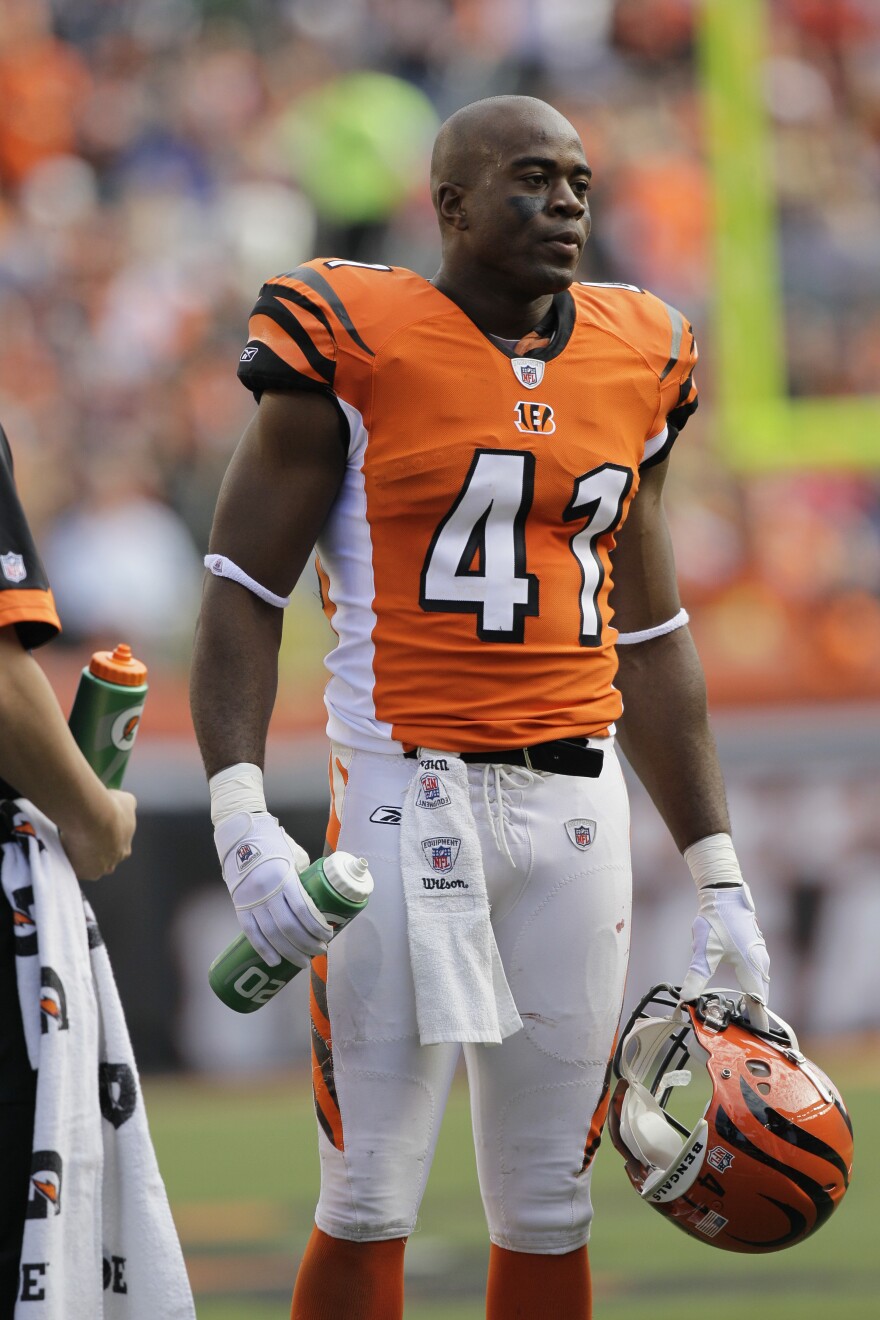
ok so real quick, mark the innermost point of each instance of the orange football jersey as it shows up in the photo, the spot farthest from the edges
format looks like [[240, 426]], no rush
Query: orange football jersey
[[465, 564]]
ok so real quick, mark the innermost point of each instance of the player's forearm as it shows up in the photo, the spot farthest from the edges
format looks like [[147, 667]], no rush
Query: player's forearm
[[666, 737], [38, 755], [234, 676]]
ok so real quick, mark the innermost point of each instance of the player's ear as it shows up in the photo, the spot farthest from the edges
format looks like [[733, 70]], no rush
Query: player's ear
[[450, 206]]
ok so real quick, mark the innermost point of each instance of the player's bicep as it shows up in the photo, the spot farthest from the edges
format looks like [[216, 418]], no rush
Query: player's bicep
[[645, 591], [279, 487]]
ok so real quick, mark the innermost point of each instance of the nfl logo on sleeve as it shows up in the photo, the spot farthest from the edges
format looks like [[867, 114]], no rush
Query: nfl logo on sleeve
[[13, 565], [581, 832]]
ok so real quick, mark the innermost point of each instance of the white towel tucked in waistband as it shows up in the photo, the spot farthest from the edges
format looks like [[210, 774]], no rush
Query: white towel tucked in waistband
[[461, 990], [99, 1240]]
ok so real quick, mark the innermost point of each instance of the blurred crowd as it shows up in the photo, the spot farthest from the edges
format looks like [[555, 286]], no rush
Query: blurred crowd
[[160, 158]]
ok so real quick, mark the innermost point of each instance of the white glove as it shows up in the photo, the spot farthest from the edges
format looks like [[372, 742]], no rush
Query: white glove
[[261, 866], [726, 928]]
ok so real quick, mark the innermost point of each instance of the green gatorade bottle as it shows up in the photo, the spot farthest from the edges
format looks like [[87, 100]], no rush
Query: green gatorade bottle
[[339, 886], [107, 711]]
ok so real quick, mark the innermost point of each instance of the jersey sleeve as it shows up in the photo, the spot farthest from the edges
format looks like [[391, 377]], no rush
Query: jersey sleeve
[[25, 598], [678, 390], [292, 343]]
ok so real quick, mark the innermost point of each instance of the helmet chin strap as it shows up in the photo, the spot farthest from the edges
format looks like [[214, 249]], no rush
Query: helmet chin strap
[[646, 1129]]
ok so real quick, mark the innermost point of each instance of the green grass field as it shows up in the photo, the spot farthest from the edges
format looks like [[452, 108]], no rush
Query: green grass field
[[241, 1171]]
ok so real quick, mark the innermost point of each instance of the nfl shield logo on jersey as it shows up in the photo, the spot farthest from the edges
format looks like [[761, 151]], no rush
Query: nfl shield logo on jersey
[[13, 567], [528, 371], [440, 854], [581, 832]]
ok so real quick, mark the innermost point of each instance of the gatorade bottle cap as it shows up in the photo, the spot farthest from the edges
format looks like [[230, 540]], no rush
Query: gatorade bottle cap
[[349, 875], [119, 667]]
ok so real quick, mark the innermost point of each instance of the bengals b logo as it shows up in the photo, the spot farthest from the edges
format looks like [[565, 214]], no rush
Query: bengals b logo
[[534, 417]]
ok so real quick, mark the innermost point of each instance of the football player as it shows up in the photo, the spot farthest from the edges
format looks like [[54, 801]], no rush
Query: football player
[[480, 460]]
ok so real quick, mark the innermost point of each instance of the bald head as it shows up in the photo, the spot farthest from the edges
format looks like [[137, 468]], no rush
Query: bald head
[[509, 184], [474, 139]]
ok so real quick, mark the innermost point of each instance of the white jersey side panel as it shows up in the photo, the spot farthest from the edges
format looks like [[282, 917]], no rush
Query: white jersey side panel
[[345, 553]]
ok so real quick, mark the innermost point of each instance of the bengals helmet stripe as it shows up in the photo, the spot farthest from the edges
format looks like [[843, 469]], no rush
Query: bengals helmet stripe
[[781, 1127], [822, 1202]]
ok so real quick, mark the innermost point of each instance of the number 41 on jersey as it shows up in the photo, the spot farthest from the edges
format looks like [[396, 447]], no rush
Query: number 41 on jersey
[[476, 562]]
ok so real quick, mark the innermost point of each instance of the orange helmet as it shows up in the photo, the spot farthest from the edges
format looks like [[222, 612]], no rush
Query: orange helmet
[[760, 1153]]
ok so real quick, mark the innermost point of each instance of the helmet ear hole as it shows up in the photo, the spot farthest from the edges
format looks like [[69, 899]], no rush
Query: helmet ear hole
[[758, 1068]]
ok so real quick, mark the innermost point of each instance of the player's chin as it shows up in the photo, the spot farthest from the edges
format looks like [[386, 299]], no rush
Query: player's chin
[[556, 273]]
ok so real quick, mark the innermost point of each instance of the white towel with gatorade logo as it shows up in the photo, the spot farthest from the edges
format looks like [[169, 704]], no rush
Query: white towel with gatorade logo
[[460, 986], [99, 1240]]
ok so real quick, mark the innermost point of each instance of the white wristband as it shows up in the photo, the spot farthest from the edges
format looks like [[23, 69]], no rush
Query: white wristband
[[713, 861], [237, 788], [645, 634], [220, 566]]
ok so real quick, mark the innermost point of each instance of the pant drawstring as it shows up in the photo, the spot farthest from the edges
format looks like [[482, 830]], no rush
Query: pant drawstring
[[505, 777]]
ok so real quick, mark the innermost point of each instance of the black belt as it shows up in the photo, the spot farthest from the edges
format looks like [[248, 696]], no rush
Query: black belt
[[563, 756]]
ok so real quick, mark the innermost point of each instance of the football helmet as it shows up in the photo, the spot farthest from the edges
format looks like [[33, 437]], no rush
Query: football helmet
[[728, 1131]]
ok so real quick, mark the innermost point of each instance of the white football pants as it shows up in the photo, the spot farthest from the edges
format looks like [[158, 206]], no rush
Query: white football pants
[[561, 916]]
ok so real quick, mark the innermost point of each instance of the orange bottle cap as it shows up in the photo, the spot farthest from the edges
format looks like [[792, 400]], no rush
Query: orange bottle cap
[[119, 667]]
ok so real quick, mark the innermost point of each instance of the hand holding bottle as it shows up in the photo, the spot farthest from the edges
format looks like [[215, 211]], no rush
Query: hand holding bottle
[[104, 722], [262, 866], [338, 886]]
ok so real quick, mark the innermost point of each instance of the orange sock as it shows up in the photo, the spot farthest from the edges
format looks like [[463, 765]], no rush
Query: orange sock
[[526, 1287], [340, 1280]]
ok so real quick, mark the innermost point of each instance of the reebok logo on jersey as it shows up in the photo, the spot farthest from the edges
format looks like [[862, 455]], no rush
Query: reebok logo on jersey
[[249, 354], [534, 418], [385, 816], [581, 832], [528, 371], [432, 792], [441, 854]]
